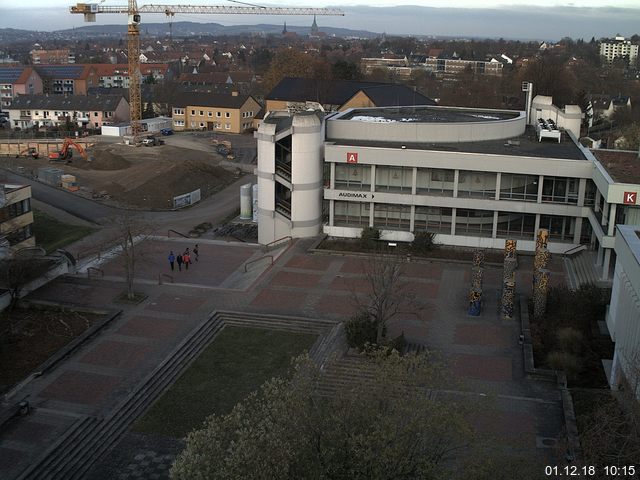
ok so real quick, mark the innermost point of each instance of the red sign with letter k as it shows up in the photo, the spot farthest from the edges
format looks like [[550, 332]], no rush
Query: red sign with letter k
[[630, 198]]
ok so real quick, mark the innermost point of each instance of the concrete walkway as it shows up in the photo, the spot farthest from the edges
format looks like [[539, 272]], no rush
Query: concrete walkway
[[482, 352]]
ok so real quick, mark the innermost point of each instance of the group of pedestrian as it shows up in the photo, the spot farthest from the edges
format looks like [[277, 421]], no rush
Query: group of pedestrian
[[186, 258]]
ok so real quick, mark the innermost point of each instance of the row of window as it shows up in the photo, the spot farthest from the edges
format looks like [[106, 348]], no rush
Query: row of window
[[46, 113], [201, 113], [19, 235], [470, 183], [15, 210], [477, 223]]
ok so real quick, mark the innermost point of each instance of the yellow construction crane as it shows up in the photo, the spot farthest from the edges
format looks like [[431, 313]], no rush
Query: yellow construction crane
[[89, 10]]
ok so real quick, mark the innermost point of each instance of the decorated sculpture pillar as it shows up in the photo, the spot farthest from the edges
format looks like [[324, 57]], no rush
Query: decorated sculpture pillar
[[508, 297], [540, 293]]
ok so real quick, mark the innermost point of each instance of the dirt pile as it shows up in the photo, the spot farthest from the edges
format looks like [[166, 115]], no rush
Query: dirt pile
[[185, 177], [104, 160]]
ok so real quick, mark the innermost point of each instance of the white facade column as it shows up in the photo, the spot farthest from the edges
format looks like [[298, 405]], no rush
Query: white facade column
[[612, 219], [412, 218], [498, 180], [578, 230], [414, 182], [605, 214], [332, 177], [540, 184], [494, 231], [453, 221], [456, 177], [605, 264], [373, 180], [596, 206], [582, 190], [371, 206], [536, 226], [600, 255]]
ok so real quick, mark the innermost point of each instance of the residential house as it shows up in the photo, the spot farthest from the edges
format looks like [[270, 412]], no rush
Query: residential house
[[52, 110], [18, 80], [67, 79], [338, 95], [117, 75], [204, 111], [60, 56], [16, 217]]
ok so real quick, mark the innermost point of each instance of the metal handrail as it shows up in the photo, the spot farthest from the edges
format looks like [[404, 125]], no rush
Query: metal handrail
[[256, 260], [266, 247], [96, 269], [170, 277], [575, 249], [176, 232]]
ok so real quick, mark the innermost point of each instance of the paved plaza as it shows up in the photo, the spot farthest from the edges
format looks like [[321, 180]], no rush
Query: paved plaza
[[483, 352]]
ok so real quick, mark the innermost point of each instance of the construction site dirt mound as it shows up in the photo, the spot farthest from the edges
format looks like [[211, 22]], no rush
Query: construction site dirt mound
[[106, 159], [185, 177]]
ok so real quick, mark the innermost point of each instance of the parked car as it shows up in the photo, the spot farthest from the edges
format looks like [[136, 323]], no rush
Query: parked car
[[166, 131]]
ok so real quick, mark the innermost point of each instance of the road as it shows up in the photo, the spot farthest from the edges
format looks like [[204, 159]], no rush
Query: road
[[213, 209]]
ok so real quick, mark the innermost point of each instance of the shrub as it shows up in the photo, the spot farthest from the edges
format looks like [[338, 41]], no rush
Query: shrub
[[422, 243], [570, 363], [399, 344], [569, 340], [369, 237], [360, 329]]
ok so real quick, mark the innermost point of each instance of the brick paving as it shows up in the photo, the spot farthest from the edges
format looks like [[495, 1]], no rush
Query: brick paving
[[482, 351]]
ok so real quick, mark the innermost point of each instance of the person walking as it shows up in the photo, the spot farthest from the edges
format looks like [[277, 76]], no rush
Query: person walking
[[179, 262], [186, 259], [172, 259], [195, 251]]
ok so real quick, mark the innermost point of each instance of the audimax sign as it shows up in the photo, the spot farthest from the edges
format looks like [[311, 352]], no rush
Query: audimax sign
[[358, 195]]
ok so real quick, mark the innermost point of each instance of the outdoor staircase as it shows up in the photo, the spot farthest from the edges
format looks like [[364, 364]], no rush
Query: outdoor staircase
[[581, 269], [90, 437]]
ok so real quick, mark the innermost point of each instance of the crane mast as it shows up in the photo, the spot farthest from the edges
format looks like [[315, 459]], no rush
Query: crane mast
[[89, 10]]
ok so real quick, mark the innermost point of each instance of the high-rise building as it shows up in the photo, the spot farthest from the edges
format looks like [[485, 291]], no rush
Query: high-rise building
[[619, 47]]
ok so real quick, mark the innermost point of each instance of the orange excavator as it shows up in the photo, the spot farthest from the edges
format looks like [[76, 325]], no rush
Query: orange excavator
[[65, 153], [29, 152]]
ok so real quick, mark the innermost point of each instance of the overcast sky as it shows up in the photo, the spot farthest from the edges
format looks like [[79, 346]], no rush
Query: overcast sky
[[527, 19]]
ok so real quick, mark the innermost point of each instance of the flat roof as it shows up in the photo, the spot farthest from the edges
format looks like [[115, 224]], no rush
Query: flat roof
[[622, 165], [427, 114], [525, 145]]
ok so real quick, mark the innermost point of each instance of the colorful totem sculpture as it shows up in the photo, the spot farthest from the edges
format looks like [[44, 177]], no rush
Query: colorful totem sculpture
[[478, 259], [510, 259], [540, 293], [542, 256], [475, 293], [508, 297], [475, 302]]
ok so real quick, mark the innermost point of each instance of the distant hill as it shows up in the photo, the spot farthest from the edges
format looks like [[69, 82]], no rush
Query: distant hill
[[179, 29]]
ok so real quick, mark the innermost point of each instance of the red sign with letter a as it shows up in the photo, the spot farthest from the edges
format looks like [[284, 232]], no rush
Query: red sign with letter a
[[352, 157], [630, 198]]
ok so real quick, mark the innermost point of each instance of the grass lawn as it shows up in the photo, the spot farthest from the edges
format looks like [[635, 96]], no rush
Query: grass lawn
[[52, 234], [237, 362]]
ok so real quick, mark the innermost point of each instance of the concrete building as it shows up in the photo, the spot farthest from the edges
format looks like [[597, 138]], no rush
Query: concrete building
[[203, 111], [619, 47], [16, 218], [449, 67], [623, 314], [117, 75], [60, 56], [67, 79], [474, 177], [18, 80], [51, 110]]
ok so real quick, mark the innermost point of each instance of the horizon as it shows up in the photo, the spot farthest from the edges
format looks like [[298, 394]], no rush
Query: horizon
[[517, 20]]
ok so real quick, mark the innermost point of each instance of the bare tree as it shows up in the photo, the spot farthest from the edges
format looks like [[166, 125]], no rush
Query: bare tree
[[17, 271], [387, 295]]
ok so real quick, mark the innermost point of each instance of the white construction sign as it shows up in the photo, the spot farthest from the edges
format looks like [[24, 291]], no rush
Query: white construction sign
[[187, 199]]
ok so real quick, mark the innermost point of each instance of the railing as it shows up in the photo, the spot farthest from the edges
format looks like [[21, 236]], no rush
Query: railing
[[257, 260], [84, 253], [163, 275], [573, 250], [97, 270], [266, 247], [177, 233]]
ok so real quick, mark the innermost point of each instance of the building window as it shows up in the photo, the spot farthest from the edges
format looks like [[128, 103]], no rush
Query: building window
[[209, 114], [227, 115], [519, 187], [95, 114], [353, 177], [218, 114], [227, 126], [351, 214], [560, 190], [394, 179], [202, 125], [560, 228], [435, 181], [433, 219], [193, 112], [178, 111], [476, 223], [178, 123], [393, 217], [516, 225], [590, 193], [476, 184]]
